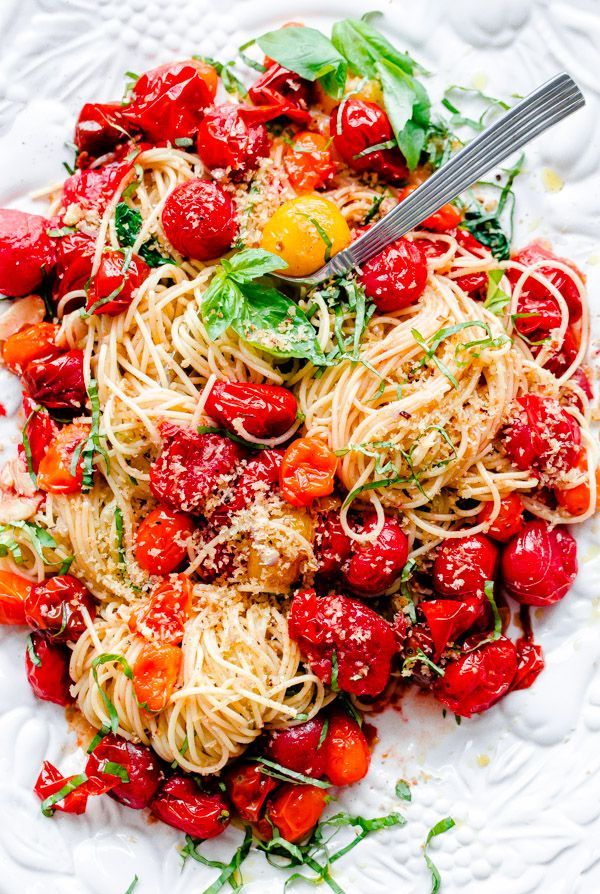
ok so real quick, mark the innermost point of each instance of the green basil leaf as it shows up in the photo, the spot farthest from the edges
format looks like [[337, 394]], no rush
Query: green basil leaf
[[403, 790], [133, 885], [250, 263], [33, 655], [438, 829], [308, 53], [47, 805], [270, 768], [363, 45], [408, 107], [220, 305], [128, 223]]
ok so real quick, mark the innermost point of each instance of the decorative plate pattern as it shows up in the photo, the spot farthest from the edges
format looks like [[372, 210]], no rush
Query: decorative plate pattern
[[523, 781]]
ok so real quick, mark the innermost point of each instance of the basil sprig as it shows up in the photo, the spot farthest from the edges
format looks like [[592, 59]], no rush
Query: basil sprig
[[310, 54]]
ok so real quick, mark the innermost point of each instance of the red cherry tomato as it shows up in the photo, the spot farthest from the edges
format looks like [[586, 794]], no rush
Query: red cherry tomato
[[363, 642], [308, 161], [56, 604], [50, 781], [199, 219], [559, 362], [447, 218], [332, 545], [101, 126], [265, 411], [191, 467], [469, 243], [534, 292], [576, 500], [474, 284], [295, 810], [13, 590], [226, 140], [161, 540], [141, 764], [299, 748], [180, 803], [27, 253], [57, 383], [356, 126], [167, 102], [256, 479], [531, 664], [54, 469], [448, 619], [509, 520], [248, 789], [35, 342], [539, 564], [94, 188], [463, 565], [168, 608], [395, 278], [74, 256], [111, 290], [477, 680], [542, 435], [346, 750], [49, 675], [277, 92], [307, 471], [155, 674], [373, 567], [40, 430]]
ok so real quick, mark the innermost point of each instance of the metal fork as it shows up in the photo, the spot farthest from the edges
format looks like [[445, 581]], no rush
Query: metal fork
[[546, 106]]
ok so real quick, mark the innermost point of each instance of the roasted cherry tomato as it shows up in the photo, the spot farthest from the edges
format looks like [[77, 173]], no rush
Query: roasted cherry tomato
[[56, 604], [306, 232], [248, 788], [373, 567], [191, 467], [277, 92], [112, 290], [295, 810], [48, 669], [357, 128], [363, 642], [539, 564], [531, 664], [535, 294], [474, 284], [308, 161], [448, 619], [299, 748], [93, 188], [264, 411], [50, 781], [226, 140], [101, 127], [307, 471], [161, 540], [54, 469], [167, 102], [168, 609], [564, 356], [155, 674], [256, 479], [141, 764], [395, 278], [347, 755], [27, 253], [463, 565], [447, 218], [37, 342], [509, 520], [74, 257], [199, 219], [57, 383], [13, 590], [576, 500], [39, 430], [332, 545], [180, 803], [542, 435], [477, 680]]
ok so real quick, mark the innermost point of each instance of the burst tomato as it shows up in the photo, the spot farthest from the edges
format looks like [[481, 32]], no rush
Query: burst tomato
[[56, 605], [168, 609], [447, 218], [199, 219], [57, 383], [277, 92], [509, 520], [93, 188], [27, 253], [113, 288], [100, 127], [257, 478], [308, 161], [448, 619], [155, 674], [332, 545], [477, 680], [357, 127], [373, 567], [463, 565], [161, 540], [248, 788], [474, 284], [531, 664], [37, 342], [48, 674], [226, 140], [347, 755], [50, 781], [542, 435], [264, 411], [576, 500], [307, 471], [395, 278], [539, 564], [180, 803], [13, 590], [143, 768], [295, 810], [299, 748], [536, 293], [74, 256], [54, 468]]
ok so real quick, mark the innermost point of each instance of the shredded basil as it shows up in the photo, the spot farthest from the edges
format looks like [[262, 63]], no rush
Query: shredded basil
[[334, 672], [231, 83], [112, 768], [443, 826], [215, 430], [33, 655], [102, 732], [106, 658], [374, 209], [277, 771], [60, 231], [496, 299], [133, 885], [27, 446], [128, 223], [47, 805], [403, 790], [40, 539], [229, 871], [88, 449], [420, 655]]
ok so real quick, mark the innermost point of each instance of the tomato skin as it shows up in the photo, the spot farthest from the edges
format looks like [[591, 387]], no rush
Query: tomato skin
[[55, 605], [226, 140], [265, 411], [509, 520], [54, 469], [141, 763], [199, 220], [576, 500], [161, 540], [463, 565], [168, 609], [531, 664], [13, 590], [332, 545], [247, 789], [363, 641], [373, 567], [362, 125], [542, 435], [168, 102], [347, 751], [155, 674], [295, 810], [180, 803], [446, 218], [474, 284], [109, 277], [35, 342], [191, 467], [74, 256], [559, 362], [51, 781], [448, 619], [299, 748], [100, 127], [307, 471], [539, 564], [477, 680], [395, 278], [57, 383], [93, 188], [27, 253], [257, 476], [535, 293], [50, 681], [308, 161], [277, 92]]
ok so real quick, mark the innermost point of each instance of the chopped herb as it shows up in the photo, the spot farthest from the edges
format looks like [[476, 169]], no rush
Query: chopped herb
[[119, 539], [215, 430], [248, 60], [57, 232], [132, 886], [70, 170], [487, 226], [374, 209], [102, 732], [33, 655], [403, 790], [112, 768], [183, 142], [40, 539], [231, 83], [277, 771], [496, 299], [229, 871], [128, 223], [420, 655], [47, 805], [322, 234], [334, 672], [324, 732], [349, 708], [443, 826], [106, 658], [184, 746], [378, 147], [88, 449]]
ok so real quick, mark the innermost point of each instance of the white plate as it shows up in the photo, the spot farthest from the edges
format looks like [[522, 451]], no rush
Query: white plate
[[522, 781]]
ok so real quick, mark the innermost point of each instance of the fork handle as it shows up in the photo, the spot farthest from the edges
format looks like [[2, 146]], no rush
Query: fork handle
[[541, 109]]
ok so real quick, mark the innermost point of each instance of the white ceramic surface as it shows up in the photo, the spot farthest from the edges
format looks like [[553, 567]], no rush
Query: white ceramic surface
[[522, 781]]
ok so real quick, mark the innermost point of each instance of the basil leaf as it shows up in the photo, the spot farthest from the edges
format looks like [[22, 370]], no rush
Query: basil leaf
[[128, 223], [438, 829], [112, 768], [104, 659], [133, 885], [403, 790], [251, 263], [496, 299], [363, 45], [33, 655], [220, 305], [408, 107], [270, 768], [308, 53]]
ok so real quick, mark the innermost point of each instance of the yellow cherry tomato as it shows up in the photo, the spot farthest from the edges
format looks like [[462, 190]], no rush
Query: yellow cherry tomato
[[306, 232]]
